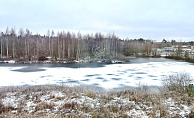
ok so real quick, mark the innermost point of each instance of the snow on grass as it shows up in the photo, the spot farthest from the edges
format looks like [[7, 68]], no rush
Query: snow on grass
[[85, 102], [177, 108]]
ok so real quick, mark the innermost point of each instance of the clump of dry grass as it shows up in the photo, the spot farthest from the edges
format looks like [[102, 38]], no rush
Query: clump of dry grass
[[5, 108], [2, 108]]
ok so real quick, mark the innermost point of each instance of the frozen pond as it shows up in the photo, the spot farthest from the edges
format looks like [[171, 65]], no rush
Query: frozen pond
[[140, 70]]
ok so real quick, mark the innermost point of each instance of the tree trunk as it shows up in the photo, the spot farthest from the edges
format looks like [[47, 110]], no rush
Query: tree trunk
[[29, 57], [26, 51], [7, 48], [37, 47], [59, 54], [63, 47], [1, 47], [13, 47], [69, 50], [78, 49], [49, 46]]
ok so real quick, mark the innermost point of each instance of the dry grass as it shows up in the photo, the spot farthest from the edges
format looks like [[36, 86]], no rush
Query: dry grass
[[85, 101]]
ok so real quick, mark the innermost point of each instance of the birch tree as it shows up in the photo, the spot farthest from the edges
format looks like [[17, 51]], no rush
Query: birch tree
[[7, 44], [13, 37], [52, 42], [78, 46], [49, 42], [1, 37]]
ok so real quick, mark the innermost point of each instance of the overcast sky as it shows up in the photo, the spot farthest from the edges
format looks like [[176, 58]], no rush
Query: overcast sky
[[154, 19]]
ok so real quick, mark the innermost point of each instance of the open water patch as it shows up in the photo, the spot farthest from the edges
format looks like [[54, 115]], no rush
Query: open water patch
[[86, 80], [140, 73], [105, 80], [29, 69], [92, 75], [117, 79], [100, 78], [138, 78], [130, 75], [72, 81], [96, 84], [46, 76], [152, 76]]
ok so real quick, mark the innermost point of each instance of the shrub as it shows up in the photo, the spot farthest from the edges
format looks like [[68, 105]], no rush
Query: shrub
[[42, 58], [177, 82]]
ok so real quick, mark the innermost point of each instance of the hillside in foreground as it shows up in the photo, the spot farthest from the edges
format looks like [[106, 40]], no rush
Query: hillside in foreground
[[60, 101]]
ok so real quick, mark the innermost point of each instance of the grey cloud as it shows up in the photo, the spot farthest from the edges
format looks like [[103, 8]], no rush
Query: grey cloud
[[127, 18]]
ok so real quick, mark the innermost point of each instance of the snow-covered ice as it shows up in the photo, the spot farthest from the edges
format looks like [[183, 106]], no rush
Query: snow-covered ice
[[108, 76]]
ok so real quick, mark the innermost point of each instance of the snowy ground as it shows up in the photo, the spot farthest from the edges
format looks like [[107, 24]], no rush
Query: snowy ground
[[109, 76], [87, 103]]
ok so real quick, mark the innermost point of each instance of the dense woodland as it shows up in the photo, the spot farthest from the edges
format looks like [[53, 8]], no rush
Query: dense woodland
[[22, 45]]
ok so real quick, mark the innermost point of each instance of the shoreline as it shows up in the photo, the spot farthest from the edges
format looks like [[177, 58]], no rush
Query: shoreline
[[170, 57], [126, 60], [108, 61]]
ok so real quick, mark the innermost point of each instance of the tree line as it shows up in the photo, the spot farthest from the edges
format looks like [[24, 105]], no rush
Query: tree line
[[24, 46]]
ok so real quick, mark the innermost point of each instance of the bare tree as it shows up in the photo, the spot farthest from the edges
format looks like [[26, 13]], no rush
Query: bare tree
[[52, 42], [19, 48], [63, 36], [26, 44], [1, 36], [59, 44], [7, 35], [78, 46], [37, 45], [49, 42], [69, 45], [13, 37]]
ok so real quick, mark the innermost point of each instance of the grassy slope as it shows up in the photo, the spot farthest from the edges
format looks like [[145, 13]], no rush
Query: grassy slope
[[85, 101]]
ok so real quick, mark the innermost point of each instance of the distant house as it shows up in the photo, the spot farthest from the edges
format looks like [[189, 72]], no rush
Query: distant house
[[186, 47], [169, 49]]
